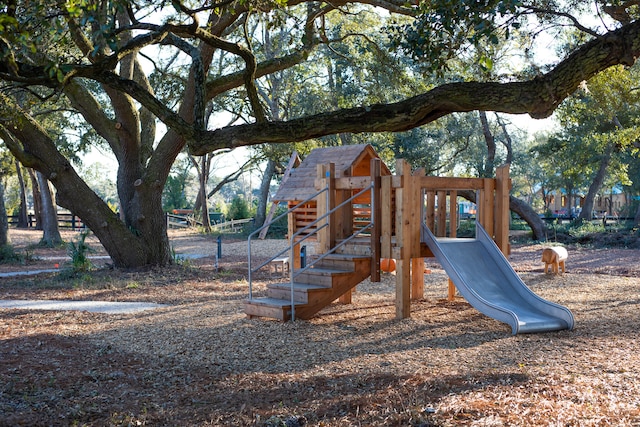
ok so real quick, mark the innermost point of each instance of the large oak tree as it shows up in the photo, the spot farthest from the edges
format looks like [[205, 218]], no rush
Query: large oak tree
[[105, 62]]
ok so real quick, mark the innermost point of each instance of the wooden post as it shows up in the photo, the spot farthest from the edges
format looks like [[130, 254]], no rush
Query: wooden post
[[342, 219], [297, 264], [330, 172], [291, 230], [386, 216], [403, 241], [417, 262], [442, 214], [453, 232], [453, 213], [417, 278], [502, 209], [431, 211], [488, 205], [376, 209], [324, 239]]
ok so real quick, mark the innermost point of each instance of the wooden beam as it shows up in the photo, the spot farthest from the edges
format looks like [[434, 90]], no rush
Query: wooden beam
[[450, 183], [352, 182], [502, 209]]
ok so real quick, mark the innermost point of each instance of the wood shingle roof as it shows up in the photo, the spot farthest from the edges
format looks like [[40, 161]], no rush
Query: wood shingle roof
[[301, 183]]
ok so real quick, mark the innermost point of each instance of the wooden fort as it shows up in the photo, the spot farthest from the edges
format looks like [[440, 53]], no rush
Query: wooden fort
[[348, 201]]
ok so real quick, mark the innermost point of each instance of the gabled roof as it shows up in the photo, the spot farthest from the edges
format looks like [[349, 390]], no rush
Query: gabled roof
[[301, 182]]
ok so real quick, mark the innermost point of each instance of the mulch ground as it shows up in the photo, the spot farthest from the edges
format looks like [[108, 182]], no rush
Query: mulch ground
[[201, 362]]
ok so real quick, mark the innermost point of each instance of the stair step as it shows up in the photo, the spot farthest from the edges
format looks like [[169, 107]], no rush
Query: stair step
[[347, 257], [352, 248], [321, 276], [341, 261], [297, 286], [323, 271], [268, 307], [303, 293]]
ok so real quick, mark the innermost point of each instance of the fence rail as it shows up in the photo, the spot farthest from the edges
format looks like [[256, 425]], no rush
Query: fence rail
[[65, 220], [186, 221]]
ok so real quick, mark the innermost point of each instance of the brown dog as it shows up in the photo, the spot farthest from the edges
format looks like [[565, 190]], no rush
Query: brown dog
[[556, 257]]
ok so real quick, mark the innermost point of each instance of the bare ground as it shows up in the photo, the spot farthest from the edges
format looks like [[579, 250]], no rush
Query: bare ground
[[200, 362]]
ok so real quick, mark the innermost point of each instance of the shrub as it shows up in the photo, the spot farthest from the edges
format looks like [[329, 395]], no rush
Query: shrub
[[78, 253]]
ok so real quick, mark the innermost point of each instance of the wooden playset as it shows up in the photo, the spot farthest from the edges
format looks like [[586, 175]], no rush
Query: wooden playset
[[392, 207]]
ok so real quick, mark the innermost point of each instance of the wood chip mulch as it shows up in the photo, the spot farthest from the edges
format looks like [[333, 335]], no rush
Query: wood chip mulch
[[201, 362]]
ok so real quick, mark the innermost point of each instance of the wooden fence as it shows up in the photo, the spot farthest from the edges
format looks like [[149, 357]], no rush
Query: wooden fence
[[65, 221], [186, 221], [70, 221]]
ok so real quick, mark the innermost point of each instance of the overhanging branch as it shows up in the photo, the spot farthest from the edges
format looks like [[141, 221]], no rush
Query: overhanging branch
[[538, 97]]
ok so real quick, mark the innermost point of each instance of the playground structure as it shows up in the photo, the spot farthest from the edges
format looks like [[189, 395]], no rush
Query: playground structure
[[358, 212]]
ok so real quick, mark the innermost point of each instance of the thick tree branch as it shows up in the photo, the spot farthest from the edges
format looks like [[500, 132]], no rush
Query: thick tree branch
[[538, 97], [16, 149], [222, 84], [620, 12], [153, 104], [83, 101]]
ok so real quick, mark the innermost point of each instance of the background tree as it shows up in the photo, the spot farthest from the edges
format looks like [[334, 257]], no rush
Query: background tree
[[175, 193], [239, 208], [48, 213], [23, 211]]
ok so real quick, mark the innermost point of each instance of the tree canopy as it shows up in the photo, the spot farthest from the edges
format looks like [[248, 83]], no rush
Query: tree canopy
[[139, 77]]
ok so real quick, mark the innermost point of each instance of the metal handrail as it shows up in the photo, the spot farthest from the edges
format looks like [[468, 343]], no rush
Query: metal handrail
[[345, 241], [293, 242], [307, 200], [292, 274]]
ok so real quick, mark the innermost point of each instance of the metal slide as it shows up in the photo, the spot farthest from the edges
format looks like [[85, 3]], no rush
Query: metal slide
[[485, 278]]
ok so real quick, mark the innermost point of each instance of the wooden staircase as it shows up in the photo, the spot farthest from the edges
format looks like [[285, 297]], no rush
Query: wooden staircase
[[317, 287]]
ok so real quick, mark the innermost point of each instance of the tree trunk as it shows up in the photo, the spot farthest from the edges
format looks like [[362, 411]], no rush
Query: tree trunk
[[204, 177], [23, 213], [4, 221], [37, 199], [530, 216], [261, 212], [596, 184], [51, 233], [508, 142], [524, 210], [570, 193], [491, 146]]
